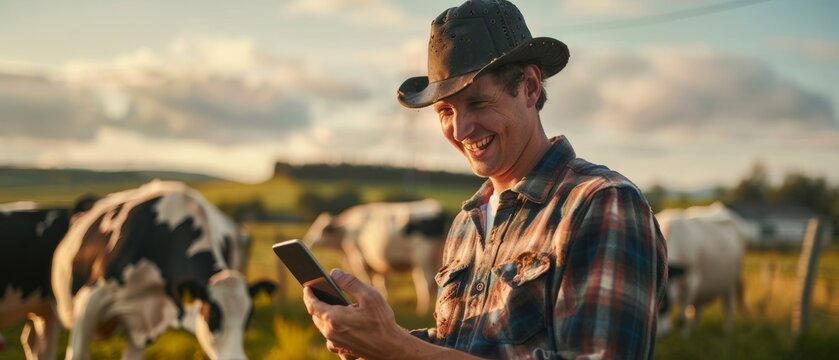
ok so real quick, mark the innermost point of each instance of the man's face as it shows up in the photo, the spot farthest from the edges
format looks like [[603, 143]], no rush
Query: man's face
[[488, 126]]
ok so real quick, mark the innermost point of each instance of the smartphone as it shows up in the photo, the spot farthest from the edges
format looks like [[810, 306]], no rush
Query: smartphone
[[308, 272]]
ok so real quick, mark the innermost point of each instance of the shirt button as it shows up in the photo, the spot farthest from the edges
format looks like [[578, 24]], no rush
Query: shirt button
[[479, 286]]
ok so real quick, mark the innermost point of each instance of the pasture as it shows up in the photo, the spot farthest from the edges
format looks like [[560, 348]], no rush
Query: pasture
[[281, 328]]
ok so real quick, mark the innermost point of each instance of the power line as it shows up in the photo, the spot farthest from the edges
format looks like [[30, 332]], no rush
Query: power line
[[658, 18]]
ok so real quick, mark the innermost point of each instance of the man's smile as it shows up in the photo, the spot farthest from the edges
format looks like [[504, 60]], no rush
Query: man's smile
[[478, 145]]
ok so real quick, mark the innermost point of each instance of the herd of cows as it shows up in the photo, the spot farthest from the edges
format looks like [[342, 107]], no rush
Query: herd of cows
[[161, 256]]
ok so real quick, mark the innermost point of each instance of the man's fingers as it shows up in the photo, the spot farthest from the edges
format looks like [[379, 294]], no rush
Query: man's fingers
[[349, 283], [312, 302], [343, 353]]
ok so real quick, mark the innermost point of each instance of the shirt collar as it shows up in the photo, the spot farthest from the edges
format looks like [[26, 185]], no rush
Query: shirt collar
[[539, 182]]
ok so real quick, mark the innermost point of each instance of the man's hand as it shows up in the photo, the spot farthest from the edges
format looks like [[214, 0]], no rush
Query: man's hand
[[365, 329]]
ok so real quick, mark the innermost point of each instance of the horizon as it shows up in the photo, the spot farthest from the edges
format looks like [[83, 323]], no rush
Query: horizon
[[695, 192]]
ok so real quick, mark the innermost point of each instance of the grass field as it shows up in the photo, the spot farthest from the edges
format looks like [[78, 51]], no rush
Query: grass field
[[281, 329]]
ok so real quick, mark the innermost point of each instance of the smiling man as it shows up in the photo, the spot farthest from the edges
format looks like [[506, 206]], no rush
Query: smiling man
[[553, 257]]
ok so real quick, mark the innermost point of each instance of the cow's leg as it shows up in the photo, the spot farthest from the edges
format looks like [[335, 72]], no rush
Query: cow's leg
[[690, 309], [355, 261], [421, 283], [730, 307], [132, 351], [89, 304], [380, 283], [687, 317], [40, 335], [424, 258]]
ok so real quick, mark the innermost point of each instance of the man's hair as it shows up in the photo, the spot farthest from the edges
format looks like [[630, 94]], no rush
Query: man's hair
[[510, 75]]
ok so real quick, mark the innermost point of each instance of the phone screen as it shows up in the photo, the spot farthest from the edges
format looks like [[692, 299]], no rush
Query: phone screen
[[308, 272]]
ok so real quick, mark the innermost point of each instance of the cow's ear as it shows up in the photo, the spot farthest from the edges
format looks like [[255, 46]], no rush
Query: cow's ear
[[189, 291], [261, 286]]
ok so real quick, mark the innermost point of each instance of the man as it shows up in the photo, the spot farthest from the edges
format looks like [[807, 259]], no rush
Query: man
[[553, 257]]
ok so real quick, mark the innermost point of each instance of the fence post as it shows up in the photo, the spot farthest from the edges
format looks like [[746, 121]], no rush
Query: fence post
[[806, 273]]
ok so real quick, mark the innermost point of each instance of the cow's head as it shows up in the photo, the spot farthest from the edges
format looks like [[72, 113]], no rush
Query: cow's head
[[324, 232], [220, 315]]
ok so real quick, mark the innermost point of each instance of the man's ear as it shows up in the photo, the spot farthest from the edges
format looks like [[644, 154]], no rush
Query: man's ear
[[532, 84]]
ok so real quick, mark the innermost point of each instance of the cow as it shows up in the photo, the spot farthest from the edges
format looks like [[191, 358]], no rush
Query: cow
[[705, 248], [152, 258], [378, 239], [30, 235]]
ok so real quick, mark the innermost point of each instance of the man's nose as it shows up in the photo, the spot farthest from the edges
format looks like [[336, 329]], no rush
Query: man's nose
[[464, 125]]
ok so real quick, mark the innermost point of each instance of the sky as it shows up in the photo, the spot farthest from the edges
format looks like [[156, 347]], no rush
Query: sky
[[688, 94]]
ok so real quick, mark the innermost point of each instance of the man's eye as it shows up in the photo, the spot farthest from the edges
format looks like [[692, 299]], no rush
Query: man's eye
[[445, 112], [478, 104]]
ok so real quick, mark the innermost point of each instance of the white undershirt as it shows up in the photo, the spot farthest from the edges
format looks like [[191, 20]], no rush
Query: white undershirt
[[492, 208]]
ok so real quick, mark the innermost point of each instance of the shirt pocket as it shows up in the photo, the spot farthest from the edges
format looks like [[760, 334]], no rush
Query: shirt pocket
[[517, 302], [451, 280]]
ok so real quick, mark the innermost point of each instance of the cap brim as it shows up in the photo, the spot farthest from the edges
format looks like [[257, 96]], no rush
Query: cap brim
[[551, 55]]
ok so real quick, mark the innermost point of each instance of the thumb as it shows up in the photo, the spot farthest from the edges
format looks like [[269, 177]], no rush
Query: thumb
[[349, 283]]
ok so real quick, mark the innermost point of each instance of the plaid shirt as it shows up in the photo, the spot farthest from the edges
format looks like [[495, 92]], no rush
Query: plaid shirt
[[574, 267]]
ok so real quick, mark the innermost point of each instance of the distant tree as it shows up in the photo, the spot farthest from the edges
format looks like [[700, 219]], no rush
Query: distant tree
[[311, 203], [718, 193], [282, 169], [754, 187], [400, 196], [813, 193], [657, 197], [346, 197], [834, 212], [248, 209]]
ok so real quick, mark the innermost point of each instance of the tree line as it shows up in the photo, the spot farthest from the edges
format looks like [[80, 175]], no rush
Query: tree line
[[796, 188]]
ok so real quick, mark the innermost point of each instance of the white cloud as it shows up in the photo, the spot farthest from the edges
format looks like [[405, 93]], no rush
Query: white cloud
[[220, 90], [367, 13], [690, 117], [685, 91], [116, 149]]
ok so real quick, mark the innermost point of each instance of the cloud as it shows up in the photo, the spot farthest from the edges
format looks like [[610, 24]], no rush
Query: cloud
[[34, 105], [368, 13], [819, 49], [686, 92], [220, 90], [116, 149]]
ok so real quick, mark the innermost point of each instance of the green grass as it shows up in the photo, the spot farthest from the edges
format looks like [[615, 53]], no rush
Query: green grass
[[763, 331], [281, 328]]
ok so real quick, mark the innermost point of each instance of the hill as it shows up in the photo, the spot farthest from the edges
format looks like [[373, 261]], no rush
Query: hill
[[281, 195], [63, 186], [374, 174], [27, 177]]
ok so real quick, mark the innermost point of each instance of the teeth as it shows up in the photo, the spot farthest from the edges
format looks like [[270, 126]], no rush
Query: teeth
[[479, 145]]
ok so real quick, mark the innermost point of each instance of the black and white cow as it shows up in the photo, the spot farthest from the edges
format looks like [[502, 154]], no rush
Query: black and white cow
[[136, 258], [378, 239], [29, 238]]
